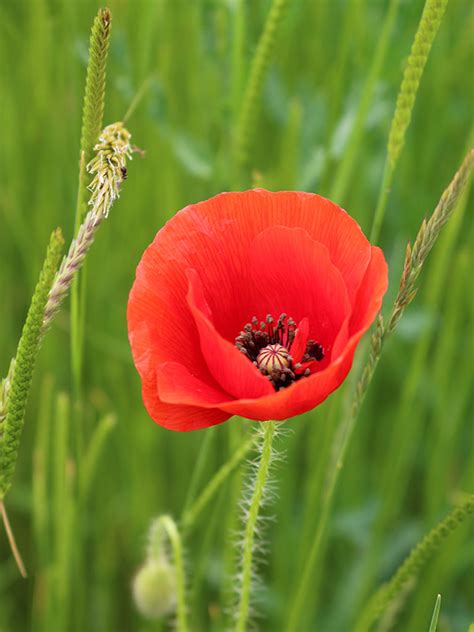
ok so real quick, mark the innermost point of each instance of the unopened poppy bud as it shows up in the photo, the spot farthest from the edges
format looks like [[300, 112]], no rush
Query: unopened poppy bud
[[154, 589], [273, 358]]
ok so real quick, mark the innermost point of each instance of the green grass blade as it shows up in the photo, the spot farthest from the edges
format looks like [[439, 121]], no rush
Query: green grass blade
[[27, 352]]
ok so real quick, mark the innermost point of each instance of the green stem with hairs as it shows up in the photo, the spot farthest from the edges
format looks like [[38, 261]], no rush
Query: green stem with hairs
[[173, 534], [428, 27], [251, 525]]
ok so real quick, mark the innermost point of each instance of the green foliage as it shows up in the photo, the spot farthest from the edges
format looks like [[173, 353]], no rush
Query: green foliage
[[435, 617], [410, 457], [25, 360], [411, 567]]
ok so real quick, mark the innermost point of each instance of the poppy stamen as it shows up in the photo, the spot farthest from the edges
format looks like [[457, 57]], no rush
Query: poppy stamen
[[268, 347]]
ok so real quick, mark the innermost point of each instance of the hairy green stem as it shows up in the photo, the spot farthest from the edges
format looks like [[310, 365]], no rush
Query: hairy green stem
[[251, 525], [175, 539]]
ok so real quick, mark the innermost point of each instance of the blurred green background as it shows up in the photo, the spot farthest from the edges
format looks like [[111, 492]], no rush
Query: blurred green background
[[411, 456]]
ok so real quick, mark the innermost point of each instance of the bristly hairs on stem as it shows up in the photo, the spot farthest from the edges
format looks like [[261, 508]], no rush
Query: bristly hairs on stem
[[109, 170], [428, 27], [250, 105], [257, 493], [412, 565], [415, 258]]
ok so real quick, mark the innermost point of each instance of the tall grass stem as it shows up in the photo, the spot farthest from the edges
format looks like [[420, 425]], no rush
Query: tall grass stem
[[415, 258], [428, 27], [411, 567], [250, 104]]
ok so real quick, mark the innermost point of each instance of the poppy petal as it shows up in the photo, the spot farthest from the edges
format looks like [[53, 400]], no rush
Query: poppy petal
[[294, 274], [229, 367], [177, 385], [179, 418], [301, 338]]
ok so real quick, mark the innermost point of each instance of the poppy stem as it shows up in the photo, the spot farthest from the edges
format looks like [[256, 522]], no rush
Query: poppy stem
[[173, 534], [260, 482]]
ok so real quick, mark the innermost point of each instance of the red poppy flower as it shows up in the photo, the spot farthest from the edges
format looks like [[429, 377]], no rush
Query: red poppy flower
[[251, 304]]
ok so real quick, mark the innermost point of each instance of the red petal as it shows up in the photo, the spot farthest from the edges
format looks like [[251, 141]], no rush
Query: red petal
[[180, 418], [299, 343], [293, 273], [311, 391], [176, 385], [229, 367], [371, 292]]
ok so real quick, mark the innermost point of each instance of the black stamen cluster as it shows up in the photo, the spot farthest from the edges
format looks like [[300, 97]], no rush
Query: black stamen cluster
[[256, 335]]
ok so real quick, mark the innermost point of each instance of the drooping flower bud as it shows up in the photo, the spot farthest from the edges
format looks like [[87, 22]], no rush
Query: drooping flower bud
[[154, 589]]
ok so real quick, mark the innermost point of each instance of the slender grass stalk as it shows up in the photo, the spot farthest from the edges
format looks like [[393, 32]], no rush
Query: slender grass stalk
[[238, 56], [172, 531], [414, 260], [41, 470], [407, 433], [92, 123], [428, 27], [64, 514], [190, 515], [11, 540], [348, 161], [27, 352], [109, 170], [243, 608], [250, 105], [435, 617], [411, 567], [204, 451], [94, 451]]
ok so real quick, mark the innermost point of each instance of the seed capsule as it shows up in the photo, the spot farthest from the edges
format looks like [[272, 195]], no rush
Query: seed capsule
[[273, 358]]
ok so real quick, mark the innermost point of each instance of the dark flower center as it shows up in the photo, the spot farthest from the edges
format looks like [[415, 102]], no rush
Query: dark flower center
[[268, 346]]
